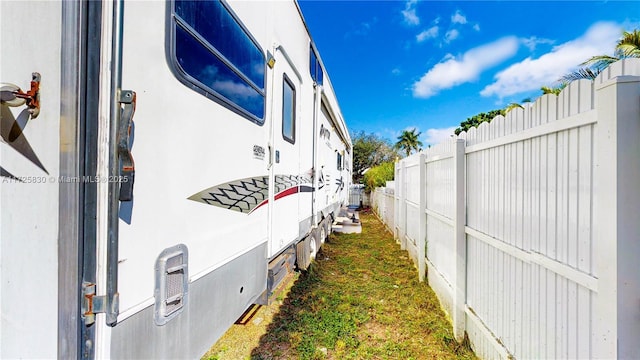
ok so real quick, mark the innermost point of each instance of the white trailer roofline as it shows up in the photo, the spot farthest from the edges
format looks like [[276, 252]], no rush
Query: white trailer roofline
[[337, 124]]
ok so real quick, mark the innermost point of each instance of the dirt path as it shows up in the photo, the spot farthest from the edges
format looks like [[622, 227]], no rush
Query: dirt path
[[360, 300]]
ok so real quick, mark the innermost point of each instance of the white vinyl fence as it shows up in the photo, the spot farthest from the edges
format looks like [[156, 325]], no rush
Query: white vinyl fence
[[382, 202], [356, 195], [528, 228]]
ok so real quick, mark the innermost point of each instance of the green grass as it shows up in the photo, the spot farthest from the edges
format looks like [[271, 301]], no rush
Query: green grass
[[360, 300]]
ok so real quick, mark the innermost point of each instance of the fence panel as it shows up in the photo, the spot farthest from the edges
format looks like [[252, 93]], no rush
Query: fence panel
[[411, 183], [541, 240], [383, 204], [439, 214], [389, 207]]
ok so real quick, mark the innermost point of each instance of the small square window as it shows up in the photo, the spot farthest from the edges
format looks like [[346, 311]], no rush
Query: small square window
[[288, 110]]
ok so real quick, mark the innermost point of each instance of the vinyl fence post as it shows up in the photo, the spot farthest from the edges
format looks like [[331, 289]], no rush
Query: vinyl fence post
[[422, 208], [460, 241], [402, 225], [616, 219], [396, 202]]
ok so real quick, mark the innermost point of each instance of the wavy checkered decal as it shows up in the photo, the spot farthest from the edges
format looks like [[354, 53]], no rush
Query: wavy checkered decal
[[240, 195], [246, 195], [284, 182]]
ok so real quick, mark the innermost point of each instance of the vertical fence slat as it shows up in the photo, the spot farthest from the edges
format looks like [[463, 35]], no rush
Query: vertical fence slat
[[585, 199], [573, 199]]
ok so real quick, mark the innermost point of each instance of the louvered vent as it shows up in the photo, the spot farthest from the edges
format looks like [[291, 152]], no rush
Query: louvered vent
[[172, 283]]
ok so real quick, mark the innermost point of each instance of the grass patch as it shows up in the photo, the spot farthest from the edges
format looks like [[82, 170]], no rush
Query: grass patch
[[360, 300]]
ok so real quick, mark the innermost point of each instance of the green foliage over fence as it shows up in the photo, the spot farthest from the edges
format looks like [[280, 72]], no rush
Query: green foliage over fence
[[478, 119], [379, 175]]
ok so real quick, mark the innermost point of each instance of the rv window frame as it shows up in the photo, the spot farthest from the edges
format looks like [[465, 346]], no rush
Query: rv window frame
[[173, 21], [287, 82]]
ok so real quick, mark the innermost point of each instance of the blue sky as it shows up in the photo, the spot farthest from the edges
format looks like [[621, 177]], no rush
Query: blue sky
[[429, 65]]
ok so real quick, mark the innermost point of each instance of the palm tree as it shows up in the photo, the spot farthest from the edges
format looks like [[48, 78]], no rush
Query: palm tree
[[628, 46], [408, 141], [581, 73], [512, 106], [553, 90]]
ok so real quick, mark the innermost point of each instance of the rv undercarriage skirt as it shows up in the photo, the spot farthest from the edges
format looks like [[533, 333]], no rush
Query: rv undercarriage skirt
[[215, 302]]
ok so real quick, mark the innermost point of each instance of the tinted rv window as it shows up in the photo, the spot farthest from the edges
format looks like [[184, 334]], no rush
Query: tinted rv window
[[218, 55], [314, 67], [339, 158], [288, 110]]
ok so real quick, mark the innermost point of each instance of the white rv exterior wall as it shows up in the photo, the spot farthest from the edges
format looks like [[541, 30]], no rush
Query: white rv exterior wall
[[183, 143], [546, 263]]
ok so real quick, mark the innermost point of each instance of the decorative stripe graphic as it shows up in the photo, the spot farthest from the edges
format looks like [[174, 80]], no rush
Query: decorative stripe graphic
[[240, 195], [340, 184], [321, 180], [247, 195]]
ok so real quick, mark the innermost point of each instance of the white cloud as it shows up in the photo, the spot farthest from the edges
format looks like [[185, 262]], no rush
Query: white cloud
[[396, 71], [530, 74], [451, 35], [533, 41], [453, 71], [476, 27], [409, 13], [436, 136], [430, 33], [458, 18]]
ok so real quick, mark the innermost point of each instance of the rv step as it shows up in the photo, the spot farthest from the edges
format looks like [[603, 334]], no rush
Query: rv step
[[278, 269]]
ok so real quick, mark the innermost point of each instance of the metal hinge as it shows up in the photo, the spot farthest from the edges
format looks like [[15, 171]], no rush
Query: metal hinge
[[93, 304]]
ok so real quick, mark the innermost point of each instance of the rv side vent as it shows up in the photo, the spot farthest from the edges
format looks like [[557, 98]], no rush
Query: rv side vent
[[172, 283]]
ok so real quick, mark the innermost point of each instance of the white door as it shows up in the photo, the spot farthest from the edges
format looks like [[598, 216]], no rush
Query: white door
[[285, 174]]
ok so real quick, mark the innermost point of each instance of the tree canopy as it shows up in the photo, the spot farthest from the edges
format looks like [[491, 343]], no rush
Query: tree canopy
[[370, 150], [478, 119]]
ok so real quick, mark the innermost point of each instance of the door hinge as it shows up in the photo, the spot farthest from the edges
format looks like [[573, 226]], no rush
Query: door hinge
[[93, 304]]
